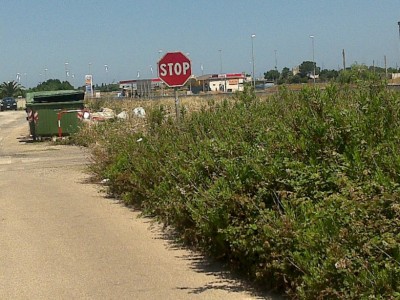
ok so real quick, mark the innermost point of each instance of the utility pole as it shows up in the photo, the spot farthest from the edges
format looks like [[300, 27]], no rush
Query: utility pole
[[344, 60], [313, 57], [276, 69], [398, 23], [220, 61], [252, 59], [386, 73]]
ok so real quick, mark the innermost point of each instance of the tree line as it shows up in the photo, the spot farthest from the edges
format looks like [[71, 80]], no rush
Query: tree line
[[15, 89], [305, 72]]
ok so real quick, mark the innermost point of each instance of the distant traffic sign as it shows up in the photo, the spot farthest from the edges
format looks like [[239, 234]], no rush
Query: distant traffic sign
[[174, 69]]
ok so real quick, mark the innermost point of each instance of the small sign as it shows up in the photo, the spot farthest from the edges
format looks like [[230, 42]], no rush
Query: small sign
[[89, 84]]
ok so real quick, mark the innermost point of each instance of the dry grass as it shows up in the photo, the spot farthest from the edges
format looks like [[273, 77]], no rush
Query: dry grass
[[191, 103], [137, 124]]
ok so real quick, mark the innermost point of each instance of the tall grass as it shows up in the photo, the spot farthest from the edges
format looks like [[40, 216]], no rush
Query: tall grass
[[299, 191]]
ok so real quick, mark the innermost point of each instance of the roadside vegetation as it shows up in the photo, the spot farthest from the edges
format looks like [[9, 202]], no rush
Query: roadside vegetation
[[298, 191], [303, 72]]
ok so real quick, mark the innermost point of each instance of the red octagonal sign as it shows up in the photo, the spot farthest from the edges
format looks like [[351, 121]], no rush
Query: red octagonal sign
[[174, 68]]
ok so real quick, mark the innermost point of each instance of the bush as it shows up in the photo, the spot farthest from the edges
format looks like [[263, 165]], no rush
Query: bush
[[300, 191]]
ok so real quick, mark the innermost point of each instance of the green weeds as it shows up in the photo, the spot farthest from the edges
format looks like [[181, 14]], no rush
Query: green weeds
[[300, 191]]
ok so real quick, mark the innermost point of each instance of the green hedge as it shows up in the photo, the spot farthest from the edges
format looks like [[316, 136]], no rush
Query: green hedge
[[300, 191]]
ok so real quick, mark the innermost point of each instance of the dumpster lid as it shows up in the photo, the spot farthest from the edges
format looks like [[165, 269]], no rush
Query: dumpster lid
[[55, 96]]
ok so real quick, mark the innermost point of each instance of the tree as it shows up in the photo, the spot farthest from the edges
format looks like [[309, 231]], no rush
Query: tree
[[107, 87], [11, 89], [327, 75], [53, 85], [307, 68], [285, 74], [272, 75], [392, 70]]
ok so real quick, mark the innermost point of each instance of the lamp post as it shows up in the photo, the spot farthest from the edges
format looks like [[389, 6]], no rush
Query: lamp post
[[190, 78], [398, 23], [161, 84], [276, 68], [66, 71], [220, 61], [220, 70], [106, 70], [202, 73], [312, 41], [252, 58]]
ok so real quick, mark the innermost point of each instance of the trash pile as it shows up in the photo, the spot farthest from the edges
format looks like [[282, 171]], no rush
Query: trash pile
[[107, 114]]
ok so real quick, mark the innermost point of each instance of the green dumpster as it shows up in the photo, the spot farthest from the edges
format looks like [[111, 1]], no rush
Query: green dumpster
[[54, 113]]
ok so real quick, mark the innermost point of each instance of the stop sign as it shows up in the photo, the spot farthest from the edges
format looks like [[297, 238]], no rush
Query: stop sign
[[174, 68]]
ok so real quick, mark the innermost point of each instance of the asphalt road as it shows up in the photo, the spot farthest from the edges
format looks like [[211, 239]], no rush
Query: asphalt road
[[61, 238]]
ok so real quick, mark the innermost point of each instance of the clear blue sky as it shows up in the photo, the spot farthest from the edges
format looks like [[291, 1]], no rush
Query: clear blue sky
[[127, 35]]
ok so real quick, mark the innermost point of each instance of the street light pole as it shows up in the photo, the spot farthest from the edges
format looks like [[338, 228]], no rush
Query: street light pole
[[276, 68], [161, 84], [398, 23], [66, 71], [202, 73], [106, 70], [220, 61], [252, 58], [312, 40], [159, 58], [220, 68]]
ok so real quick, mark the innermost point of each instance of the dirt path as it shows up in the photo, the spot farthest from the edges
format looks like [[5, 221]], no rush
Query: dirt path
[[60, 238]]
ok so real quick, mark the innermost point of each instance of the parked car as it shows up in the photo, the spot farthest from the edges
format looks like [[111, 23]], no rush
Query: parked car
[[8, 103]]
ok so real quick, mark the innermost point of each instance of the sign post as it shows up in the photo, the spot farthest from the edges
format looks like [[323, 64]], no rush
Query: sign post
[[175, 69], [89, 85]]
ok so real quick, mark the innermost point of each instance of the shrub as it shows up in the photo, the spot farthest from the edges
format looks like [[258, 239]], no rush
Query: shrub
[[300, 191]]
